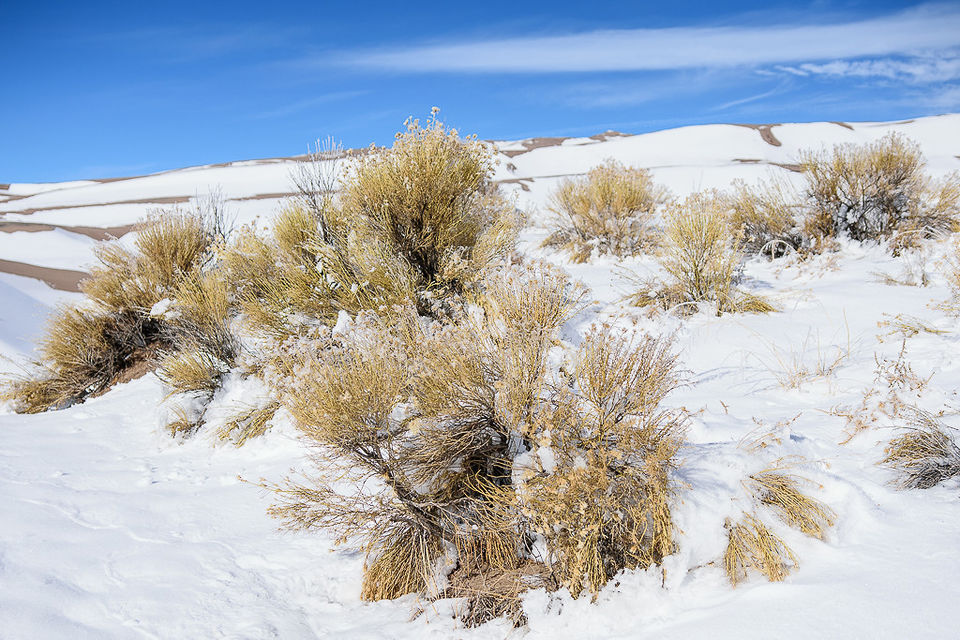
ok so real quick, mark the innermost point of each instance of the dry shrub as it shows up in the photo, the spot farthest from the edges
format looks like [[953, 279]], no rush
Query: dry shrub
[[951, 267], [764, 218], [183, 421], [419, 221], [876, 190], [84, 350], [751, 545], [430, 200], [925, 454], [781, 491], [812, 360], [701, 255], [611, 210], [343, 402], [425, 432]]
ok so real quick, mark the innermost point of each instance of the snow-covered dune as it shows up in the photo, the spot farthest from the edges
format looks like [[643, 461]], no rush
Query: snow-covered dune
[[111, 529], [685, 159]]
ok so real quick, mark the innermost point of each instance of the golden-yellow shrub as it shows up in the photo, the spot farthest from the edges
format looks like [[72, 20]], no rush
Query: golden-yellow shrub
[[877, 190], [751, 545], [764, 218], [924, 454], [610, 210], [701, 254], [438, 413], [419, 221], [781, 492], [430, 200], [84, 350]]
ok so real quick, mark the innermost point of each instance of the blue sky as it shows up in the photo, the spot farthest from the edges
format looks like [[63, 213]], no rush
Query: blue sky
[[109, 89]]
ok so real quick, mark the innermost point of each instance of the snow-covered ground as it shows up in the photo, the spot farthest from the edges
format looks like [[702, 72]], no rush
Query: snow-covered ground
[[110, 529]]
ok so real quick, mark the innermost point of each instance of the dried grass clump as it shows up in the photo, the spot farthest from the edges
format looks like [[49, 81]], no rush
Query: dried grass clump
[[611, 210], [925, 454], [85, 350], [701, 255], [877, 190], [434, 427], [492, 595], [751, 545], [248, 423], [781, 491]]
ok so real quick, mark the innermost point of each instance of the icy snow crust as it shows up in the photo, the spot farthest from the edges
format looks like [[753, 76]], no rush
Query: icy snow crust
[[110, 529]]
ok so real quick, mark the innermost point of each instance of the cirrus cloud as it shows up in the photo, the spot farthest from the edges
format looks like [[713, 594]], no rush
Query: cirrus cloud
[[927, 27]]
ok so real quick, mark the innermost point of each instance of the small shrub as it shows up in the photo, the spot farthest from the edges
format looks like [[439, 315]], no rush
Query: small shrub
[[611, 210], [764, 218], [701, 255], [86, 349], [430, 200], [781, 492], [877, 190], [925, 454], [750, 543], [248, 423]]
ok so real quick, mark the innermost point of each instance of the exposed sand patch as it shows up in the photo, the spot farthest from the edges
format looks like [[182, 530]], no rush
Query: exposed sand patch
[[535, 143], [609, 135], [265, 196], [96, 233], [765, 132], [523, 182], [796, 168], [160, 200], [62, 279]]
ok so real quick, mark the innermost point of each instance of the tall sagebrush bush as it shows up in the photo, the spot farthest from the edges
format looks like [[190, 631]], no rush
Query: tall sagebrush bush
[[764, 217], [611, 210], [418, 221], [462, 438], [430, 200]]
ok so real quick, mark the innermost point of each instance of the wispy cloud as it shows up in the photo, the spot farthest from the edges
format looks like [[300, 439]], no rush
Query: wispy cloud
[[627, 91], [747, 100], [303, 105], [918, 69], [946, 98], [927, 27]]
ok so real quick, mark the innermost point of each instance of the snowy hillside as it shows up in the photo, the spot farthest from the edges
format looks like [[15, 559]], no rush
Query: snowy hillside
[[111, 529]]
